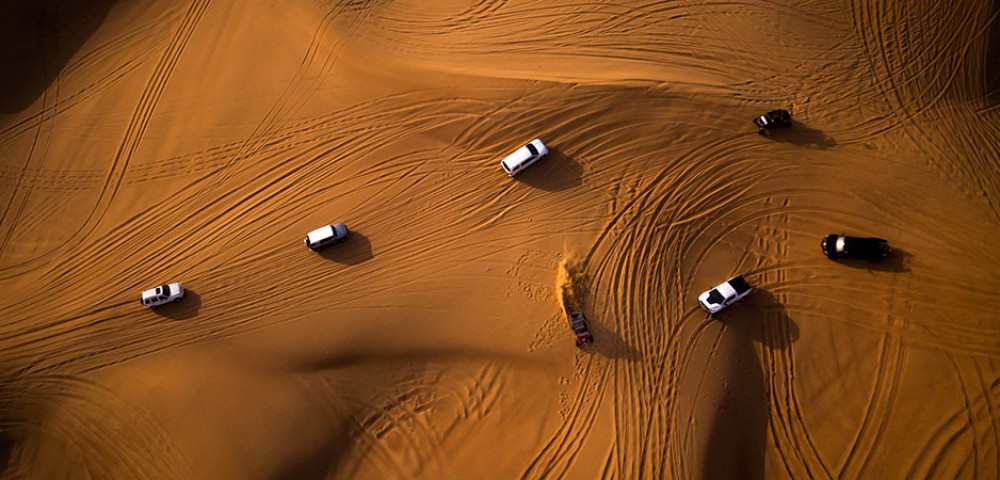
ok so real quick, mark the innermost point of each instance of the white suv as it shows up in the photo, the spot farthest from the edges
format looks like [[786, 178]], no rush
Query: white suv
[[154, 297], [724, 295], [524, 157], [327, 235]]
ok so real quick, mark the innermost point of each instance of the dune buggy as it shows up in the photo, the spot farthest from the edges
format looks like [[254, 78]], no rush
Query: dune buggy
[[578, 323]]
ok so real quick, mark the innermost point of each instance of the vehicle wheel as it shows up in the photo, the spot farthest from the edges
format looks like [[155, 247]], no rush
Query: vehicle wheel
[[762, 132], [177, 299]]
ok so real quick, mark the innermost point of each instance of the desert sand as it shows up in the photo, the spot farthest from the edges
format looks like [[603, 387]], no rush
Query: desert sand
[[197, 141]]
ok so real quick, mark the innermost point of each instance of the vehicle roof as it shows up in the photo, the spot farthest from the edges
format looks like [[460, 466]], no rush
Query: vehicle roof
[[151, 292], [320, 233], [578, 322], [726, 290], [858, 246], [518, 157], [522, 154]]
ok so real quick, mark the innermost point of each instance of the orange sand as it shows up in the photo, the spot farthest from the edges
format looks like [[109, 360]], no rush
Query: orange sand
[[198, 141]]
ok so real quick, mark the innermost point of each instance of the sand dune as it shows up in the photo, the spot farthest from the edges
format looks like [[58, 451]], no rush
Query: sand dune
[[198, 141]]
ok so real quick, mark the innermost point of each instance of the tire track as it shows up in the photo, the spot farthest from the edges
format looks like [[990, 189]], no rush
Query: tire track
[[644, 32], [640, 425], [112, 437], [779, 362], [134, 265], [404, 414], [304, 83], [665, 215], [561, 449], [942, 54], [884, 388], [132, 136], [19, 198], [89, 61]]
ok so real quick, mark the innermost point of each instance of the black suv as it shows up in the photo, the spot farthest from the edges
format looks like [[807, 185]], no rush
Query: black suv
[[774, 118], [841, 246]]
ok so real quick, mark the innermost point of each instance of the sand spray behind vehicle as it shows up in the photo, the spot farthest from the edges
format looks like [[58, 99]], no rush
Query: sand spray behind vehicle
[[570, 285]]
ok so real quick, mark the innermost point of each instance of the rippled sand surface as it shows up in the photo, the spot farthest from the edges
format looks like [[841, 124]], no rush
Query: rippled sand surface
[[197, 141]]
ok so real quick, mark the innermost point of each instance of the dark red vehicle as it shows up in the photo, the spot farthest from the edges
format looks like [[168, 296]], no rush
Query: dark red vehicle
[[579, 324]]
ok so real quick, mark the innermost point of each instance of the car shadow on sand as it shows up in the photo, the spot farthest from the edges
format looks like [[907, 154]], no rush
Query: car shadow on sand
[[556, 172], [186, 308], [37, 39], [356, 249], [7, 444], [898, 261], [738, 434], [610, 344], [993, 67], [801, 135]]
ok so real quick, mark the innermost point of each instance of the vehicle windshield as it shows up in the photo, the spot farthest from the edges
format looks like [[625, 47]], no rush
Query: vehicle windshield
[[714, 297], [531, 148], [166, 290]]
